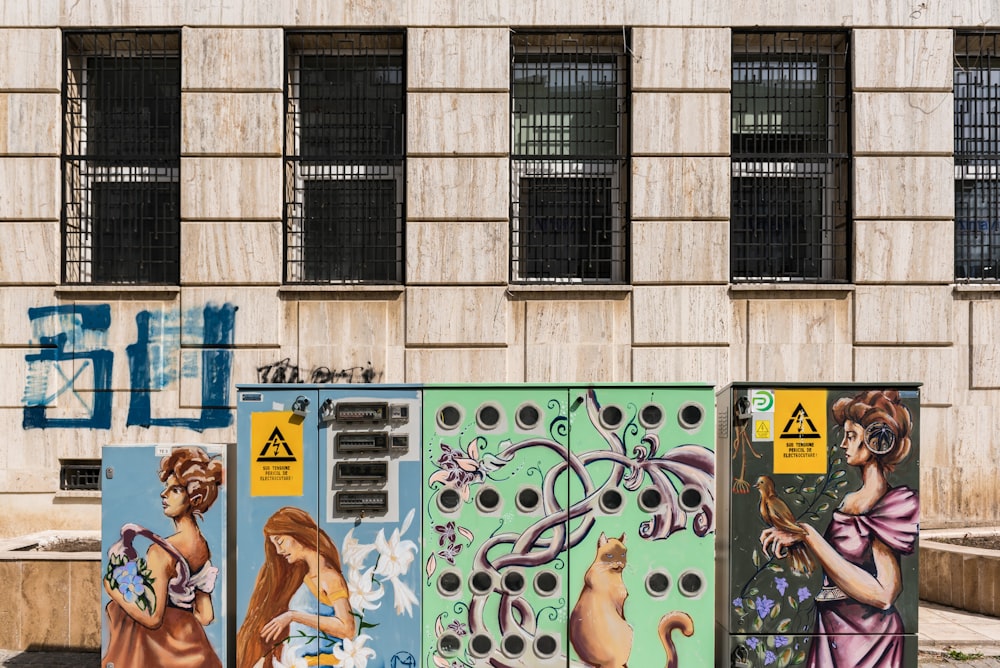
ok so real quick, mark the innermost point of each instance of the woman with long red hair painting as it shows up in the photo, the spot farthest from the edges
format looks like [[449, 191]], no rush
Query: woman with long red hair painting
[[300, 609]]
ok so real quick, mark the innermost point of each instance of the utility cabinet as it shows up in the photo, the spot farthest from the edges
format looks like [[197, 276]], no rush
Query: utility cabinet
[[834, 470]]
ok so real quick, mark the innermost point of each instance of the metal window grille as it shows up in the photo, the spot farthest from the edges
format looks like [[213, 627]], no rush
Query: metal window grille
[[569, 157], [121, 157], [345, 145], [77, 474], [977, 157], [790, 216]]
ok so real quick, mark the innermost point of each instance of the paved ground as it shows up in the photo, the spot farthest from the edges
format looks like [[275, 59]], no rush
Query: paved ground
[[948, 639]]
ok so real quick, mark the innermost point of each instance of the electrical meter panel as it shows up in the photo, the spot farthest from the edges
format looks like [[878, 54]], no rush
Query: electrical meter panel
[[329, 525]]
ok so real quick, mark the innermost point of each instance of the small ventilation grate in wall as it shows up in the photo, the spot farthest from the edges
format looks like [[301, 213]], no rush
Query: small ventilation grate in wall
[[80, 474]]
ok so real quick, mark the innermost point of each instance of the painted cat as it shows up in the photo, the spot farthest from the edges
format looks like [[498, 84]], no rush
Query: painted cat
[[597, 627]]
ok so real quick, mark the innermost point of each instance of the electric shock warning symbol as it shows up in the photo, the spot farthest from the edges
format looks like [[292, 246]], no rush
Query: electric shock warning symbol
[[800, 426], [276, 449], [801, 445], [277, 469], [762, 430]]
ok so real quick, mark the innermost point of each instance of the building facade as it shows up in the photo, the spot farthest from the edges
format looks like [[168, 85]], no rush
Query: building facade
[[201, 194]]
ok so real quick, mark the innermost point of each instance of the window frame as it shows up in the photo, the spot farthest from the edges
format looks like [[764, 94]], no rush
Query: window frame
[[82, 172], [300, 170], [978, 165], [831, 231], [616, 167]]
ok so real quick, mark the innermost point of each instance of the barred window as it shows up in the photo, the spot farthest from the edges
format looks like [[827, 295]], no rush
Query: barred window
[[121, 157], [344, 157], [790, 217], [977, 157], [569, 157]]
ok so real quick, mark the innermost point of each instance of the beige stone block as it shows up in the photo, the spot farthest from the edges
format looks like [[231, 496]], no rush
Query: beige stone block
[[684, 188], [41, 200], [232, 59], [44, 617], [359, 13], [457, 253], [351, 341], [903, 123], [681, 59], [548, 13], [15, 303], [458, 123], [751, 14], [965, 441], [903, 59], [17, 14], [30, 253], [682, 251], [642, 13], [935, 437], [893, 315], [680, 314], [457, 365], [231, 252], [971, 14], [85, 612], [457, 13], [231, 123], [799, 340], [14, 362], [30, 59], [458, 58], [682, 364], [456, 316], [231, 188], [901, 14], [985, 346], [904, 187], [898, 251], [10, 617], [30, 124], [261, 320], [680, 123], [577, 340], [457, 188], [934, 367]]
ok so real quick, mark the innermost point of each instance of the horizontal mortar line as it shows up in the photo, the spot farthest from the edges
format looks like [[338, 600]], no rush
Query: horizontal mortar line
[[482, 284], [456, 346], [686, 154], [11, 154], [904, 345], [903, 154], [241, 219], [457, 219], [671, 219], [917, 89], [721, 346]]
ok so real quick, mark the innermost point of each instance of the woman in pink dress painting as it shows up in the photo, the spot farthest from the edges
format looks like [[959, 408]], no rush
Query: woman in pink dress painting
[[857, 623]]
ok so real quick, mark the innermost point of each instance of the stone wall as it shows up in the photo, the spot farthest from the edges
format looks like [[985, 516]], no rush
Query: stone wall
[[458, 319]]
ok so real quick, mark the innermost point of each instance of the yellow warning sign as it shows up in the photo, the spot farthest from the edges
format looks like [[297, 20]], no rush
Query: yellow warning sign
[[761, 430], [276, 467], [800, 423]]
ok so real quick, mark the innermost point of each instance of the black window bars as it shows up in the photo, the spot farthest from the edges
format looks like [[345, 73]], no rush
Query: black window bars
[[345, 95], [121, 157]]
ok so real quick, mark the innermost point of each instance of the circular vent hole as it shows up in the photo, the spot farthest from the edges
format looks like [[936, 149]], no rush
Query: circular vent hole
[[528, 416], [657, 584], [449, 499], [488, 499], [528, 499], [691, 415], [650, 499], [488, 416], [651, 416]]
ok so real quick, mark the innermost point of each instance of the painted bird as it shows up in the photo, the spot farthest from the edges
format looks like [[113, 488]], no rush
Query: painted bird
[[775, 513]]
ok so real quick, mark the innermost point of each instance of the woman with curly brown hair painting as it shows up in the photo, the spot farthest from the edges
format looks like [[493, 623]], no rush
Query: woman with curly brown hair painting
[[299, 611], [857, 624], [161, 604]]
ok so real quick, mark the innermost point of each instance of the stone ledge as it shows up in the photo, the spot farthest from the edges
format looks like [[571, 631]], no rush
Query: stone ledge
[[965, 578]]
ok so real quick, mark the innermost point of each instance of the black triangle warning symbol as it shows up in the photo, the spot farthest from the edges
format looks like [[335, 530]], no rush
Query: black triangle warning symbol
[[799, 425], [276, 449]]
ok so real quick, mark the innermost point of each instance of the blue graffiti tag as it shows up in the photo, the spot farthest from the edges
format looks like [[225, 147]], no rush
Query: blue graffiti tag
[[168, 347], [70, 336]]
